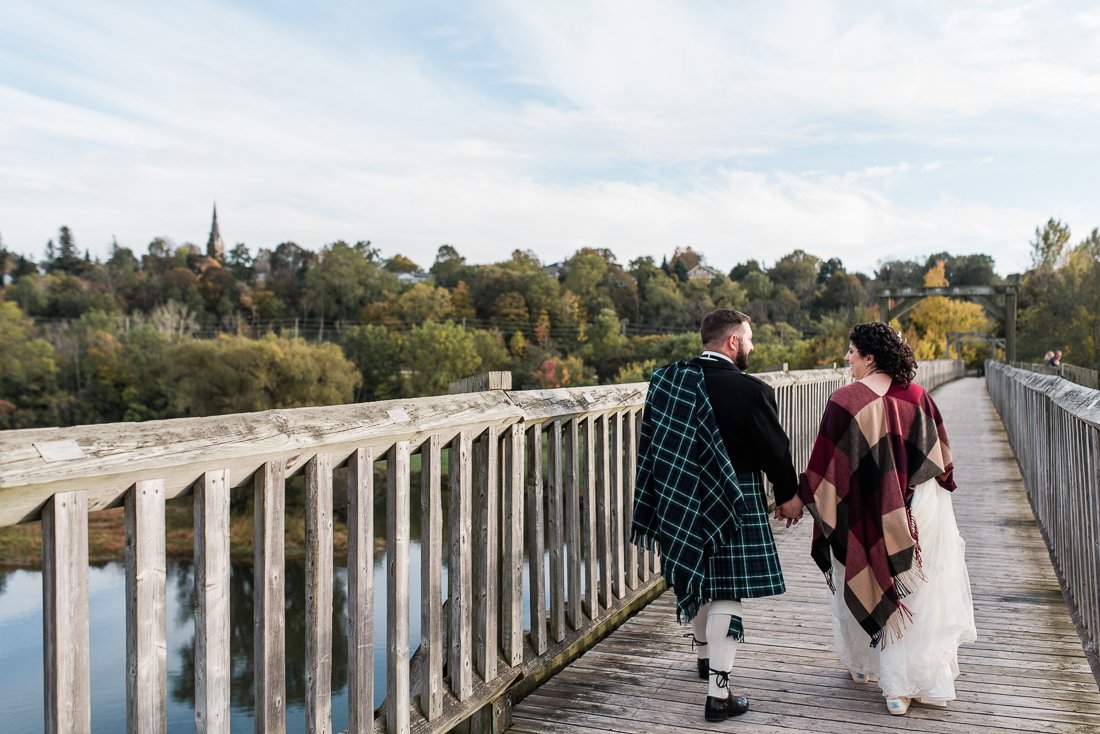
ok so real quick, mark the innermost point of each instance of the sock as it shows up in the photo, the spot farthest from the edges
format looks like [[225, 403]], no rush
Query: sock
[[722, 647], [699, 629]]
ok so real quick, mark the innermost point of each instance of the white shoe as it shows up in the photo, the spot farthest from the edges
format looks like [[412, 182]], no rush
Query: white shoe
[[860, 677], [898, 706]]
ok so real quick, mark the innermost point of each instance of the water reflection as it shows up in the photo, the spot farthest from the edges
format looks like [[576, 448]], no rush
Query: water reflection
[[182, 682]]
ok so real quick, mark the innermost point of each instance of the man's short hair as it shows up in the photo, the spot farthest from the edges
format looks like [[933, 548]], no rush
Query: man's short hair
[[718, 325]]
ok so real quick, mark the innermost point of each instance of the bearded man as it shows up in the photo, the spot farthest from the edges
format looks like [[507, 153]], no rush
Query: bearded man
[[709, 432]]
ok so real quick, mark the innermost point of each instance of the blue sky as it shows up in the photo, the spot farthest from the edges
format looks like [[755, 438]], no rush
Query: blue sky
[[860, 130]]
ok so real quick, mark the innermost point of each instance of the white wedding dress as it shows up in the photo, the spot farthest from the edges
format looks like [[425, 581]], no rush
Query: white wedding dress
[[923, 664]]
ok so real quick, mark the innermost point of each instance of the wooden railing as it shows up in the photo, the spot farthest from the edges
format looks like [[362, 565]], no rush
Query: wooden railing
[[1079, 375], [1054, 428], [475, 652]]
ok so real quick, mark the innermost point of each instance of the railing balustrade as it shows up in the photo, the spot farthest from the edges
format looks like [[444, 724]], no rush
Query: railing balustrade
[[1053, 426], [474, 647]]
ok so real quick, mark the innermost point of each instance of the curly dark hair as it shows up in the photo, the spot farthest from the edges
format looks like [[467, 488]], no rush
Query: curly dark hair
[[892, 353]]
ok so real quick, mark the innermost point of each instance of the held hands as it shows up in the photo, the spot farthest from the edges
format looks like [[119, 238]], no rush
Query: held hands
[[791, 510]]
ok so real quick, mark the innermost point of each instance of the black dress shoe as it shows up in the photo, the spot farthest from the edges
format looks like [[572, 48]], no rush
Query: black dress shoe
[[720, 709], [704, 668]]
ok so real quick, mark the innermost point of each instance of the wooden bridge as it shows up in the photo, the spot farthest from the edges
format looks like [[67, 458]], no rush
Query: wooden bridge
[[1027, 672], [538, 474]]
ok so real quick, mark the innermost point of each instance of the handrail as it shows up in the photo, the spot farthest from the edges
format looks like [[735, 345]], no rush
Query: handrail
[[1080, 375], [1053, 426], [581, 500]]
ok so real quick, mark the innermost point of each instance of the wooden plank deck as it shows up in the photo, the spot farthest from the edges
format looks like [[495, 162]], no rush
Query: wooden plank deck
[[1025, 673]]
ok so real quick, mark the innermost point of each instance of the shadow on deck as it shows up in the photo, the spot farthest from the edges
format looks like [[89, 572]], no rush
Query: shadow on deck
[[1026, 672]]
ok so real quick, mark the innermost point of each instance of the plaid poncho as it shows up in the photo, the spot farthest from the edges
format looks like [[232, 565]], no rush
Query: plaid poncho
[[869, 452], [713, 533]]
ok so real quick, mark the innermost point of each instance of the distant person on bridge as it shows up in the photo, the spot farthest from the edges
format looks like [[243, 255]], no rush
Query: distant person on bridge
[[1056, 359], [708, 431], [879, 485]]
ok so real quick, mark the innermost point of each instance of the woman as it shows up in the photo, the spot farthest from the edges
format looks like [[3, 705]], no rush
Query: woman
[[878, 486]]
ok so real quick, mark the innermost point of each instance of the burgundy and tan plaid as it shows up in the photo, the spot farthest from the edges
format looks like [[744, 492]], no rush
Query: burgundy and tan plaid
[[869, 454]]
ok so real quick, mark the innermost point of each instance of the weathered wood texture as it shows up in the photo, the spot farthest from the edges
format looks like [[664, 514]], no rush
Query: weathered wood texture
[[555, 529], [146, 626], [268, 611], [536, 525], [397, 589], [319, 595], [1025, 673], [1054, 426], [511, 572], [460, 570], [481, 383], [486, 555], [361, 592], [66, 664], [431, 577], [212, 622]]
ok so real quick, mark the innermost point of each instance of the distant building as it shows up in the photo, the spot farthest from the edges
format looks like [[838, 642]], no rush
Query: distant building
[[215, 248], [556, 269], [703, 272], [413, 278]]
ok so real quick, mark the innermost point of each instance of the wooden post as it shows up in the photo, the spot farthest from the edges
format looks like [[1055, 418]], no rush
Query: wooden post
[[630, 440], [536, 521], [268, 638], [512, 570], [146, 628], [460, 571], [555, 532], [361, 592], [884, 309], [644, 562], [573, 520], [588, 515], [486, 554], [66, 666], [603, 509], [319, 595], [618, 538], [213, 666], [431, 578], [397, 588]]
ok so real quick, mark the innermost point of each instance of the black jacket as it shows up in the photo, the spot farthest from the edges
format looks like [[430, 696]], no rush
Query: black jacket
[[749, 422]]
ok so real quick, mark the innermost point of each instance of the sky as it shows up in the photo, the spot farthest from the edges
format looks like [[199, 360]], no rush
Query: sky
[[861, 130]]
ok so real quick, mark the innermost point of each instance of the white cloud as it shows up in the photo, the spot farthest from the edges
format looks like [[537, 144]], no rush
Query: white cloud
[[637, 125]]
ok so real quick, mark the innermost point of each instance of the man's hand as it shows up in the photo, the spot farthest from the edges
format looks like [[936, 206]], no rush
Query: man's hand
[[791, 510]]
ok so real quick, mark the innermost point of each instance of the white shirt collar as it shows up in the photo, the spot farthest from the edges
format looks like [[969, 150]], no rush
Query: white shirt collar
[[708, 353]]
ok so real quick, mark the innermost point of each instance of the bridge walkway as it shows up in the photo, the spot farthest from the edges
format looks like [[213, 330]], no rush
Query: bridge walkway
[[1025, 673]]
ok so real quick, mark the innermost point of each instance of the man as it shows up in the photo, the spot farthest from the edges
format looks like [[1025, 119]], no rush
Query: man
[[708, 431]]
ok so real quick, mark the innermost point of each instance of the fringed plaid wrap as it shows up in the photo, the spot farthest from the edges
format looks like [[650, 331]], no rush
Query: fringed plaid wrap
[[869, 453], [712, 531]]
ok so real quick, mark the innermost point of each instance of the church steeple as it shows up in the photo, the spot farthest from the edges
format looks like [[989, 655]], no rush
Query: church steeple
[[215, 248]]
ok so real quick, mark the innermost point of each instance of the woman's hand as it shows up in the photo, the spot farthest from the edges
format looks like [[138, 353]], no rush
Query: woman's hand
[[791, 510]]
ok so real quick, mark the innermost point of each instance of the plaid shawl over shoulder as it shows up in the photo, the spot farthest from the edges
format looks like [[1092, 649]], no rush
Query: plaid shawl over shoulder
[[688, 500], [869, 452]]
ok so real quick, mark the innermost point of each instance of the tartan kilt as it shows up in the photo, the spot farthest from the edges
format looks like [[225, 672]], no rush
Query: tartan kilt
[[748, 566]]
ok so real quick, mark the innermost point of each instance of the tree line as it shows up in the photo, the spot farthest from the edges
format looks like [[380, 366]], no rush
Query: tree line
[[89, 341]]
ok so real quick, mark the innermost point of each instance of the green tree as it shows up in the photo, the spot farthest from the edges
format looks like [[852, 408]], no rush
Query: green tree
[[239, 375], [377, 353], [1049, 246], [420, 303], [65, 257], [438, 354], [345, 279], [29, 393]]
